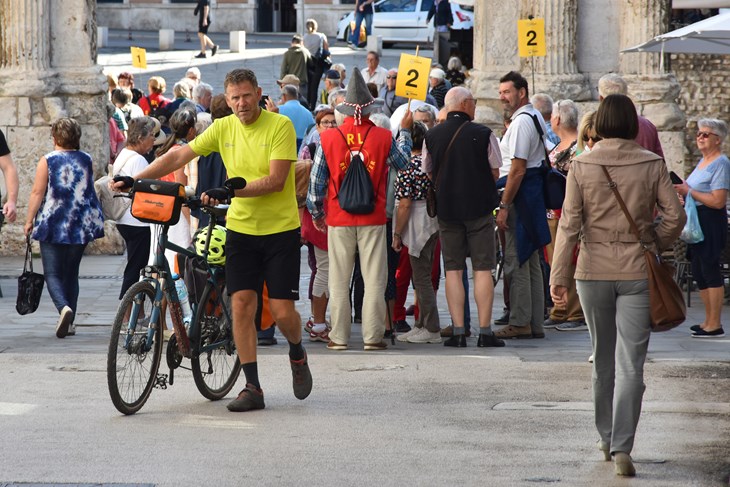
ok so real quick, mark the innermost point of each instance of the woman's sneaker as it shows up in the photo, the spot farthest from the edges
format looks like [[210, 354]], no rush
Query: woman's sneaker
[[64, 322], [322, 336]]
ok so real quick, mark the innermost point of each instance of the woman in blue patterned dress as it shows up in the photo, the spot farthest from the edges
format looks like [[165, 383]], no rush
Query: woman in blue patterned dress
[[64, 215]]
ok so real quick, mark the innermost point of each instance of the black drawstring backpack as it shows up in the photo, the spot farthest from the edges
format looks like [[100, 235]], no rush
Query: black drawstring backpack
[[356, 193]]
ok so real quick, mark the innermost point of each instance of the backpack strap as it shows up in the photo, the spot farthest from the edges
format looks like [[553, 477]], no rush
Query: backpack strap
[[446, 154], [540, 133]]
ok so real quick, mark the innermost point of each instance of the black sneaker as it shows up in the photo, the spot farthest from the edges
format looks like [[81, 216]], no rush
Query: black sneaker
[[214, 50], [695, 327], [201, 55], [248, 399], [456, 341], [301, 377], [402, 326], [709, 334], [503, 320], [489, 341]]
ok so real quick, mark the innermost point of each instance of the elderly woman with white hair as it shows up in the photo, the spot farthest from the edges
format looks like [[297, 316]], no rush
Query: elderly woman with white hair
[[708, 185], [564, 121], [455, 71]]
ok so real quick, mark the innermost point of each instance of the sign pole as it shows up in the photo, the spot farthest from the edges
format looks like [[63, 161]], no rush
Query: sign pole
[[409, 98]]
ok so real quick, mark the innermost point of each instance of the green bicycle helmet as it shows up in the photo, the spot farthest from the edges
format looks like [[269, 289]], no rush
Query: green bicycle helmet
[[217, 249]]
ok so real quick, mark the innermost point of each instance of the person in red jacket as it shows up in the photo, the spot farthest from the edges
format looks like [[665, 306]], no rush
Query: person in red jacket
[[348, 232]]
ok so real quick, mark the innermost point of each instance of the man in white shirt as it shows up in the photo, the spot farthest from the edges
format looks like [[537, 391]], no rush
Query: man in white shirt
[[374, 73], [522, 211]]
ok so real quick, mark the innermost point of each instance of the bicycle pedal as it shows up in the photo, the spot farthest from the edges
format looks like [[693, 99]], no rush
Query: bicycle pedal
[[161, 381]]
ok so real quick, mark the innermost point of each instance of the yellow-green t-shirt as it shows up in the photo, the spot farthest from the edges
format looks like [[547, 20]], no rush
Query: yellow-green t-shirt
[[246, 151]]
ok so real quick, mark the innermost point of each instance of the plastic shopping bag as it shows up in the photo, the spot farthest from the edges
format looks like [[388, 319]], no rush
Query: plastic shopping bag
[[692, 232]]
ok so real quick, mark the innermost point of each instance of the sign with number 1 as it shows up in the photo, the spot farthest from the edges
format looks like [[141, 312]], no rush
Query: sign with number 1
[[413, 74], [531, 37], [139, 57]]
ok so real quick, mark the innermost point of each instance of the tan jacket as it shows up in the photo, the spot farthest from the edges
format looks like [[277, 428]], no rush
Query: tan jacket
[[609, 251]]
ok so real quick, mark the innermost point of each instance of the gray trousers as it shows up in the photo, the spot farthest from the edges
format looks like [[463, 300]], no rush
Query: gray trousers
[[526, 293], [617, 314], [422, 265]]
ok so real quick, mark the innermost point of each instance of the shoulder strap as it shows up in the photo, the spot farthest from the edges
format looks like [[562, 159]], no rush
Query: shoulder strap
[[28, 266], [632, 223], [446, 154], [539, 132]]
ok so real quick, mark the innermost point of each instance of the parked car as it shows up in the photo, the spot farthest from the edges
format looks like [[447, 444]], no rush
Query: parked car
[[405, 21]]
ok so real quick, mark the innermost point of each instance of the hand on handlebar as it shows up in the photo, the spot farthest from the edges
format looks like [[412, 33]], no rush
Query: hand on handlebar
[[215, 196], [122, 183]]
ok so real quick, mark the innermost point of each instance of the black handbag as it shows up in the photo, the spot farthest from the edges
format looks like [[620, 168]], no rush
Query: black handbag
[[30, 285], [356, 195]]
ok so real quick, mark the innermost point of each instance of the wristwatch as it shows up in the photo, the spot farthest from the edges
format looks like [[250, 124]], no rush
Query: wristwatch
[[504, 206]]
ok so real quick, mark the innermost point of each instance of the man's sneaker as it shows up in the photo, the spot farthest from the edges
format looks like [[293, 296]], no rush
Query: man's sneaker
[[64, 321], [456, 341], [512, 331], [248, 399], [449, 331], [71, 330], [321, 336], [403, 337], [381, 345], [424, 336], [214, 50], [709, 334], [301, 377], [201, 55], [551, 323], [503, 320], [336, 346], [402, 326], [489, 341], [572, 326]]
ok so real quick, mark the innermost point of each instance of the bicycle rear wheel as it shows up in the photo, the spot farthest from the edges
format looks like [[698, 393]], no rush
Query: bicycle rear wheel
[[215, 371], [131, 366]]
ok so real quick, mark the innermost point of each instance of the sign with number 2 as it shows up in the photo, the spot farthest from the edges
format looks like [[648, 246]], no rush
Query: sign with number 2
[[531, 37], [413, 74]]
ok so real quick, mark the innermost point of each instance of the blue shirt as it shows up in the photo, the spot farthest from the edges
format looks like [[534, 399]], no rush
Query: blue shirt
[[715, 176], [70, 212], [299, 116]]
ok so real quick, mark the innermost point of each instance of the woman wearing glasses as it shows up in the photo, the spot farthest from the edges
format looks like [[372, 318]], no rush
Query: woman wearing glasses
[[316, 242], [708, 185]]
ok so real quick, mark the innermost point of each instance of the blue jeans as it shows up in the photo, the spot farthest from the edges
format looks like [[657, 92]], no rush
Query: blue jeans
[[359, 17], [61, 271]]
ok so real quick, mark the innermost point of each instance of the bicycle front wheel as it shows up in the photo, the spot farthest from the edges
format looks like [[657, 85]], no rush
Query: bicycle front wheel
[[131, 363], [215, 370]]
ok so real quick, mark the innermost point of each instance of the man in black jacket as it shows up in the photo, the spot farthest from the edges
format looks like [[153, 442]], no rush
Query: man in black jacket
[[463, 160]]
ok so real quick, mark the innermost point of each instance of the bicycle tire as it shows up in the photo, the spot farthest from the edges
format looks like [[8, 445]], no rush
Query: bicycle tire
[[132, 375], [222, 366]]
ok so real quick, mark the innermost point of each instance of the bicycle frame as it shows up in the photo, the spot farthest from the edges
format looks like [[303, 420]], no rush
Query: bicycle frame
[[160, 276]]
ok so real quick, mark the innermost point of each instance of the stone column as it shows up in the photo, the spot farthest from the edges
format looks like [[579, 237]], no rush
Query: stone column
[[654, 91], [47, 71], [495, 54], [556, 73]]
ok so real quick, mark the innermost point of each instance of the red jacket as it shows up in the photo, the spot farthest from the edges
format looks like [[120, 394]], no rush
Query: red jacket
[[374, 154]]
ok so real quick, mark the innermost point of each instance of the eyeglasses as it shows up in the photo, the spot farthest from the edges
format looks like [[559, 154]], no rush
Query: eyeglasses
[[594, 138], [391, 77], [328, 123], [704, 135]]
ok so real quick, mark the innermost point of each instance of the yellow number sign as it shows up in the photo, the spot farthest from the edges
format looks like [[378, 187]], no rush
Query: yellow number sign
[[413, 74], [531, 37], [139, 57]]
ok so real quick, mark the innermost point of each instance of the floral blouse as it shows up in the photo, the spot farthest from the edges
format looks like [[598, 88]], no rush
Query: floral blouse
[[70, 212], [412, 182]]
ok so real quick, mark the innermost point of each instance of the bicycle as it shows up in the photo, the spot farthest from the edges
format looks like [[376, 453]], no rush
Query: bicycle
[[135, 348]]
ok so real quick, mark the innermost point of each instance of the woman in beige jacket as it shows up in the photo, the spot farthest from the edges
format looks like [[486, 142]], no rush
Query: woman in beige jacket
[[611, 271]]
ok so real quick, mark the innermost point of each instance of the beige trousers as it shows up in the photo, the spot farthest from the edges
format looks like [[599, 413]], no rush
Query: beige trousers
[[342, 243]]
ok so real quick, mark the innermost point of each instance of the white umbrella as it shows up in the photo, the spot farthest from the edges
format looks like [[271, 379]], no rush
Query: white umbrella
[[709, 36]]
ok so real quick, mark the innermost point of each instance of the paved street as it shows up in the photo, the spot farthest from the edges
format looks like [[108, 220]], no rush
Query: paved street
[[412, 415]]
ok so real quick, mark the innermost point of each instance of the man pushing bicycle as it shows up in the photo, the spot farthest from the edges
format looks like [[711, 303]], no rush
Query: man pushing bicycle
[[263, 224]]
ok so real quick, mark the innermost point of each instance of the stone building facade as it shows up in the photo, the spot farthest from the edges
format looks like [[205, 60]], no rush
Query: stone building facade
[[48, 70]]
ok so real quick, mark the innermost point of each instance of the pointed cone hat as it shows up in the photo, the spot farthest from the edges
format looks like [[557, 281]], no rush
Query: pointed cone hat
[[358, 100]]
